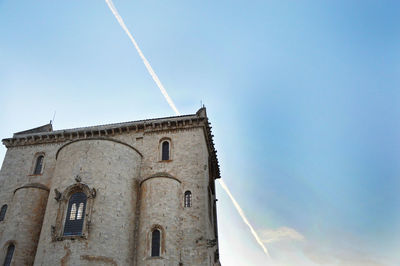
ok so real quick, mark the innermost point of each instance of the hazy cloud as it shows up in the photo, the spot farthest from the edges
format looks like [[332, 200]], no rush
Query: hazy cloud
[[341, 256], [289, 247], [280, 234]]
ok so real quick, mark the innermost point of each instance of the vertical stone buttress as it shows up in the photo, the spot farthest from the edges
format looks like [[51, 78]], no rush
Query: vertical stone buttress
[[160, 209], [110, 167], [186, 231], [24, 221], [26, 195]]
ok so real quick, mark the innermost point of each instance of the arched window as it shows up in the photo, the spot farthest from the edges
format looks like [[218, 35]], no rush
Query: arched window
[[3, 212], [188, 199], [165, 151], [38, 165], [10, 253], [75, 214], [74, 211], [155, 243]]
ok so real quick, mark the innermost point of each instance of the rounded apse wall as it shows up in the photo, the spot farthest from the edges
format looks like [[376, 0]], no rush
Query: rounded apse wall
[[160, 209], [109, 168], [24, 222]]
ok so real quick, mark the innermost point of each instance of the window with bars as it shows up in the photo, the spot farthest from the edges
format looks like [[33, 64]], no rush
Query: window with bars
[[188, 199], [9, 255], [3, 212], [38, 165], [155, 243], [75, 214], [165, 151]]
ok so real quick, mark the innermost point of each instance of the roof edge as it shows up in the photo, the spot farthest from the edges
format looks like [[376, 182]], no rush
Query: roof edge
[[44, 128], [45, 134]]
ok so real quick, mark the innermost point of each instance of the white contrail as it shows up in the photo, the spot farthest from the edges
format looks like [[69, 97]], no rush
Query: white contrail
[[171, 103], [146, 63], [241, 213]]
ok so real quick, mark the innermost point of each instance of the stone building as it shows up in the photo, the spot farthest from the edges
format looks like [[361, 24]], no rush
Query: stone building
[[133, 193]]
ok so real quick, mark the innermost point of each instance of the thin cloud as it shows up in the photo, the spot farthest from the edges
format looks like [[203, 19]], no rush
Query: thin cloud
[[290, 247], [339, 256], [280, 234]]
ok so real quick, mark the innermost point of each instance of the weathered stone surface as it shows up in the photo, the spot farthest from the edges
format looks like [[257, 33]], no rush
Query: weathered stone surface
[[134, 191]]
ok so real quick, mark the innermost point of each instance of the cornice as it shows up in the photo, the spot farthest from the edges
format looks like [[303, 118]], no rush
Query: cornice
[[144, 126], [106, 131]]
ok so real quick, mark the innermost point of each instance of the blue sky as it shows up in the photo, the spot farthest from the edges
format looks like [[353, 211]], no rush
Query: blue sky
[[303, 98]]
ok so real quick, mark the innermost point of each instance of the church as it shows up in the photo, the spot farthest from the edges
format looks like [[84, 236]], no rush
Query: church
[[132, 193]]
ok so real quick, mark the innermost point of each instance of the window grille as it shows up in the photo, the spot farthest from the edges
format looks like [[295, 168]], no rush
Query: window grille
[[188, 199], [74, 218], [10, 253], [155, 243], [3, 212], [165, 151], [38, 165]]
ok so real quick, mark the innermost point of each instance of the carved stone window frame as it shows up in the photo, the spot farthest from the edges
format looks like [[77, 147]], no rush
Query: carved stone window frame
[[57, 231]]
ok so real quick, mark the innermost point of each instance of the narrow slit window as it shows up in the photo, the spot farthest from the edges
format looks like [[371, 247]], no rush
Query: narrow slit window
[[75, 215], [3, 212], [38, 165], [155, 243], [188, 199], [9, 256], [165, 151]]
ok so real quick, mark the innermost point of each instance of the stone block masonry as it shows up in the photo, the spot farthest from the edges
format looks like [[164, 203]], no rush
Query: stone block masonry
[[131, 209]]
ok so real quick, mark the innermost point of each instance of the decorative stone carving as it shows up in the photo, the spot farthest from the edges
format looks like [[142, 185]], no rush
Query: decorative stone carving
[[78, 178], [58, 195], [63, 198]]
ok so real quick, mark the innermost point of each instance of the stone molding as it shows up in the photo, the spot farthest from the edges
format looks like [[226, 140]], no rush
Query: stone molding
[[199, 119], [106, 139], [33, 185], [160, 175]]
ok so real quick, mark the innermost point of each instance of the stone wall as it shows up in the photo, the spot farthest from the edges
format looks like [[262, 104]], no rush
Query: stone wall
[[160, 209], [26, 197], [134, 191], [110, 168], [24, 224]]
